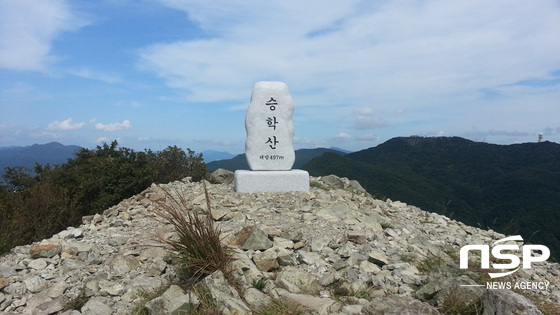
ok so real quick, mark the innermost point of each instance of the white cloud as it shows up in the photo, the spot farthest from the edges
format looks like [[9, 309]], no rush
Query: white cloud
[[9, 134], [96, 75], [27, 29], [423, 66], [343, 136], [367, 138], [114, 126], [302, 141], [103, 140], [45, 134], [67, 124], [359, 52], [365, 118]]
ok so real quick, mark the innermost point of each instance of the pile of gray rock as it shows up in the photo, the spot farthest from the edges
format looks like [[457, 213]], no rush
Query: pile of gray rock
[[333, 250]]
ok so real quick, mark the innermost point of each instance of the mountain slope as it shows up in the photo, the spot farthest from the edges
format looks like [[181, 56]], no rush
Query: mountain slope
[[303, 156], [51, 153], [212, 155], [510, 188]]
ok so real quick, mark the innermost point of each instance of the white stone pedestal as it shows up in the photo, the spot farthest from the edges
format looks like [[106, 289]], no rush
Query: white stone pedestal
[[269, 181]]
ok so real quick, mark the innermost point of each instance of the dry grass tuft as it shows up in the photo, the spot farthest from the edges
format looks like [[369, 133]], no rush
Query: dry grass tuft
[[198, 241], [282, 307], [459, 303]]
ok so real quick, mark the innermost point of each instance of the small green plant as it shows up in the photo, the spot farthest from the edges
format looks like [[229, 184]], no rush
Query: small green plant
[[259, 284], [143, 296], [409, 257], [430, 263], [341, 290], [207, 304], [445, 209], [452, 252], [336, 288], [281, 307], [457, 303], [77, 302], [199, 242], [547, 308], [364, 294], [386, 225], [317, 184]]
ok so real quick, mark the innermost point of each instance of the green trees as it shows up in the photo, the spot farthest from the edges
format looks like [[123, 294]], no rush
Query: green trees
[[97, 179], [18, 178], [173, 163], [35, 206], [512, 189]]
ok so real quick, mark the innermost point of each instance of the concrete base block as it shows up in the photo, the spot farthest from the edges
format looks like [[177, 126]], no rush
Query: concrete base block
[[268, 181]]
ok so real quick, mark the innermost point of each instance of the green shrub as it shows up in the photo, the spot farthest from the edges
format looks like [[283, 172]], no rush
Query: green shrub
[[37, 204], [173, 164]]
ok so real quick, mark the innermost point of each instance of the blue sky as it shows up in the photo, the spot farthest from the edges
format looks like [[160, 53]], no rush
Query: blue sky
[[155, 73]]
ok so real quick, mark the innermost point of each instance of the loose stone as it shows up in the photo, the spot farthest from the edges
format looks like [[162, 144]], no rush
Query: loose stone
[[324, 250]]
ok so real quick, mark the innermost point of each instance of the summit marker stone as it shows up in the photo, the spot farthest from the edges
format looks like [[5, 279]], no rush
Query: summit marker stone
[[269, 146], [270, 130]]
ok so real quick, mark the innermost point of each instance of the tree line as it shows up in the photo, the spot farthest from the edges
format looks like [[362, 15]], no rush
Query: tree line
[[35, 204]]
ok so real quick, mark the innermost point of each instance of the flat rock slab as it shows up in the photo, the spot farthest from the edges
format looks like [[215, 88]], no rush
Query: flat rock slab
[[44, 251], [271, 181]]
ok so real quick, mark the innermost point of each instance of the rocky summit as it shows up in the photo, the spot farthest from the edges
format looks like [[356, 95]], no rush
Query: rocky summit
[[333, 250]]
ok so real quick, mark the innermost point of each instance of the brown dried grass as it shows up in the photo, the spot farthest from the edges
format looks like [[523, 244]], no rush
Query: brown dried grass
[[198, 241]]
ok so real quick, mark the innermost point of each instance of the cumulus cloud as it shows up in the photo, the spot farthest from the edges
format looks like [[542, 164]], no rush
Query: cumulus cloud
[[67, 124], [28, 28], [9, 133], [359, 52], [96, 75], [428, 65], [45, 134], [303, 141], [367, 138], [343, 136], [365, 118], [114, 126]]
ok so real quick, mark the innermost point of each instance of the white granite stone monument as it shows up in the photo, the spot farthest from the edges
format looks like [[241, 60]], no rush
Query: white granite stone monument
[[269, 146]]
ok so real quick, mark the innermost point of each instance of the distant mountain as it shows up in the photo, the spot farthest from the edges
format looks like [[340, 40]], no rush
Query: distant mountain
[[237, 163], [340, 150], [211, 155], [303, 156], [513, 189], [51, 153]]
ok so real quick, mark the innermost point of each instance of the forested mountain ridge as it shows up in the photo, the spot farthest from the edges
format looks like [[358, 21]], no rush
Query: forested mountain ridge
[[49, 153], [303, 156], [513, 189]]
